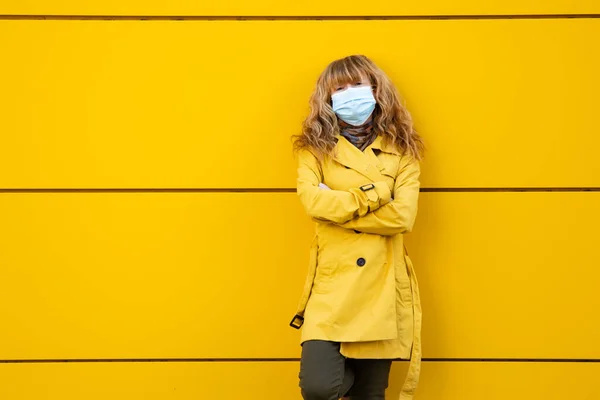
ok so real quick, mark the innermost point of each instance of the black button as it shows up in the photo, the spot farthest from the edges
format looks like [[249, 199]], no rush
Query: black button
[[361, 262]]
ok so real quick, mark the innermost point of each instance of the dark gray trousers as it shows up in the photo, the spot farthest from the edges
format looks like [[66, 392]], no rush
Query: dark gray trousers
[[327, 375]]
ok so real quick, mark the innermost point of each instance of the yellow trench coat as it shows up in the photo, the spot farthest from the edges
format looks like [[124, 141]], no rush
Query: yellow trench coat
[[361, 288]]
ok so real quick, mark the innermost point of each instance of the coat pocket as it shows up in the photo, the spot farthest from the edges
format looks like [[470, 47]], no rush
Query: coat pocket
[[325, 269], [324, 279], [405, 293], [403, 284]]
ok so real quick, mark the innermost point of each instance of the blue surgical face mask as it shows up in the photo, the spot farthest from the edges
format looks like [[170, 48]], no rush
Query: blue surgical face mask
[[354, 105]]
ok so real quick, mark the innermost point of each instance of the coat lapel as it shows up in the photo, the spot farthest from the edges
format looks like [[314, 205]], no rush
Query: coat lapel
[[365, 163], [380, 146]]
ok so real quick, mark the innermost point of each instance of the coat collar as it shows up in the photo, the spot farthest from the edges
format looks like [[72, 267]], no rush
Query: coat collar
[[378, 144], [385, 147]]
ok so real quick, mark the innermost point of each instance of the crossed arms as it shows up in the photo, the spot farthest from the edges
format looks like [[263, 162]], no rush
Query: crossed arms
[[370, 209]]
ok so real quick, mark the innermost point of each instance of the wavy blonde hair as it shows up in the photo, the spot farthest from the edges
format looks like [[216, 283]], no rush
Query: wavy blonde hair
[[390, 119]]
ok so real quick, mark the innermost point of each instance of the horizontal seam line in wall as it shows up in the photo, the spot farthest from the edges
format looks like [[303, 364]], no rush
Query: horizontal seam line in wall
[[206, 360], [295, 18], [281, 190]]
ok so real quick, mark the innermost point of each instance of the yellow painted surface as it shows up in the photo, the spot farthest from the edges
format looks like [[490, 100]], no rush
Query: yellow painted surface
[[160, 275], [501, 381], [307, 7], [150, 275], [508, 274], [278, 380], [212, 104]]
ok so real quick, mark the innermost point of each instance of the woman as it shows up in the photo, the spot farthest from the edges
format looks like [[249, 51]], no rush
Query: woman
[[358, 178]]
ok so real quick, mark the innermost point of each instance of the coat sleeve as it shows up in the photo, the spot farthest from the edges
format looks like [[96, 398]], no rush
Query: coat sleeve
[[335, 206], [399, 215]]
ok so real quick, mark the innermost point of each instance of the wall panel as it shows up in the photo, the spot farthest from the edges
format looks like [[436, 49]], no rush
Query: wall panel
[[259, 381], [503, 103], [137, 275], [304, 8]]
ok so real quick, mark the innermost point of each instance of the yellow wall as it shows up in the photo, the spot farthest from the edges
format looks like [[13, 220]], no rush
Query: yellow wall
[[173, 109], [297, 8]]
